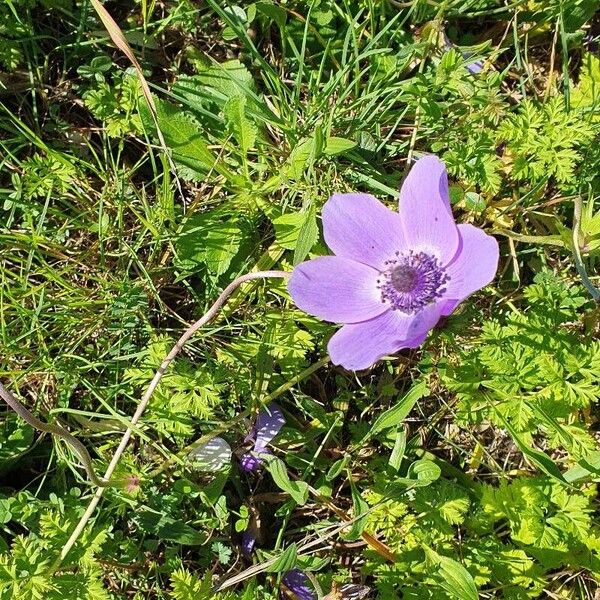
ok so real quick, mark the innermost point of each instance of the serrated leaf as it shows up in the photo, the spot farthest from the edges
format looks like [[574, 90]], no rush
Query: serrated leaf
[[208, 240], [287, 229], [244, 131], [184, 137], [301, 158]]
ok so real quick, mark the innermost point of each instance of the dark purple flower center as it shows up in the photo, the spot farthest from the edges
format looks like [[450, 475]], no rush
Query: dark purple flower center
[[404, 278], [412, 281]]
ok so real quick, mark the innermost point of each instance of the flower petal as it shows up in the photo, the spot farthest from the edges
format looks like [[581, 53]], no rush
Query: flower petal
[[448, 307], [358, 346], [474, 265], [336, 289], [248, 542], [427, 219], [269, 421], [211, 456], [298, 583], [359, 227]]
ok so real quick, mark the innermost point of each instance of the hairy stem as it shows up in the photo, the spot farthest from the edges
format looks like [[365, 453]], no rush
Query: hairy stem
[[57, 430], [208, 316]]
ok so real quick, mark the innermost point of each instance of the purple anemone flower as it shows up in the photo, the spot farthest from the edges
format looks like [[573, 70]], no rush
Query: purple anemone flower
[[269, 421], [394, 274], [299, 584]]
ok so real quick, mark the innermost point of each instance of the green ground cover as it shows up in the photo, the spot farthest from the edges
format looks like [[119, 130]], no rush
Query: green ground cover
[[463, 469]]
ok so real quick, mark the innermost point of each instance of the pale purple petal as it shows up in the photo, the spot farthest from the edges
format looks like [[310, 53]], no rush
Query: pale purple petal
[[475, 264], [448, 307], [336, 289], [359, 227], [425, 210], [248, 542], [269, 421], [474, 67], [358, 346], [298, 583]]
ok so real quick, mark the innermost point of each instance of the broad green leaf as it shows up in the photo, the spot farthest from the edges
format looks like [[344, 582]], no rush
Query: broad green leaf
[[307, 236], [273, 11], [211, 456], [5, 510], [167, 528], [360, 512], [208, 240], [338, 145], [538, 458], [586, 467], [17, 437], [244, 131], [301, 158], [184, 137], [298, 490], [287, 229], [336, 468], [398, 450], [286, 561], [424, 470], [395, 415], [578, 13], [181, 533], [230, 79], [452, 577]]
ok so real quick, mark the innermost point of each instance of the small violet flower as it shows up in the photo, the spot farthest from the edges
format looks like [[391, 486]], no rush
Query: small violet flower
[[248, 542], [473, 67], [298, 583], [394, 274], [269, 421]]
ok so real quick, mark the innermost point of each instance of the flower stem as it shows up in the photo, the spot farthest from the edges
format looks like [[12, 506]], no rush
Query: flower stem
[[57, 430], [208, 316]]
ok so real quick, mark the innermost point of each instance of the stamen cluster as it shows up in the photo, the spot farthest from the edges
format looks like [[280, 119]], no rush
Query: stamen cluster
[[411, 281]]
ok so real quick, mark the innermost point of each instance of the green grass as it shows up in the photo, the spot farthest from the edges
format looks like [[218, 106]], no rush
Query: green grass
[[107, 254]]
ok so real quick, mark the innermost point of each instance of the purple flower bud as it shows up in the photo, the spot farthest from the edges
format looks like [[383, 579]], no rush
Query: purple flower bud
[[248, 542], [250, 463], [299, 584], [269, 422]]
